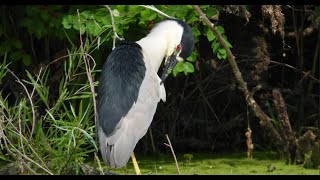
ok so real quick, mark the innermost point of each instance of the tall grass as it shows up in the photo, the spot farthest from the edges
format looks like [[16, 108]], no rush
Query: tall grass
[[47, 133]]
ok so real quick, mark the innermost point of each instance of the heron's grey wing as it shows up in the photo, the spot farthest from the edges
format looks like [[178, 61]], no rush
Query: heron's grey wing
[[118, 147]]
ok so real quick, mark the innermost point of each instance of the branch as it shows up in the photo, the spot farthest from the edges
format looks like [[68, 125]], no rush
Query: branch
[[264, 119], [156, 10], [23, 155], [30, 100], [115, 36], [174, 156], [88, 72]]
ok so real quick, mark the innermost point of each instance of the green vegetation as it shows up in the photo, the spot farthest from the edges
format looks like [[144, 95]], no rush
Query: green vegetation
[[48, 73], [217, 164]]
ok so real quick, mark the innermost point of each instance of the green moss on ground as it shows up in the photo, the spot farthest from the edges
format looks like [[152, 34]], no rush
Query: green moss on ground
[[216, 164]]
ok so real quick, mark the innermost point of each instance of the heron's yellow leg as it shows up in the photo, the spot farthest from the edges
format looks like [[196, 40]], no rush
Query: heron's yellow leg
[[135, 164]]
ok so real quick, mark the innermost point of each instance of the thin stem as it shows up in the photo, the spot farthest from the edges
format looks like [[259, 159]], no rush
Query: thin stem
[[114, 28], [156, 10], [174, 155], [264, 119], [30, 100], [88, 72]]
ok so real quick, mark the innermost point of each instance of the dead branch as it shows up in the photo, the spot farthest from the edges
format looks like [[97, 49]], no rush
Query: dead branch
[[288, 135], [30, 100], [88, 72], [265, 121], [115, 36], [283, 115], [249, 143], [174, 156]]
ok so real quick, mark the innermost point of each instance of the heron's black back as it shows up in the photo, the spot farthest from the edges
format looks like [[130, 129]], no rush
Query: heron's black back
[[119, 85]]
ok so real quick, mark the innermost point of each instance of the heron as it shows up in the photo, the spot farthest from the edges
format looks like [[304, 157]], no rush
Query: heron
[[130, 89]]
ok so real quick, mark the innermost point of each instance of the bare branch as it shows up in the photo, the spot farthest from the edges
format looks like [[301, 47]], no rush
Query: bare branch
[[174, 156], [115, 36], [265, 120], [38, 77], [30, 100], [156, 10], [88, 72], [22, 155]]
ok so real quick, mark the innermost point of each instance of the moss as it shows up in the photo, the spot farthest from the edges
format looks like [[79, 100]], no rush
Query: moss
[[216, 164]]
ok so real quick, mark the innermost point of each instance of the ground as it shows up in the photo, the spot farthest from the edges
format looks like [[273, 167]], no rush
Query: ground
[[216, 164]]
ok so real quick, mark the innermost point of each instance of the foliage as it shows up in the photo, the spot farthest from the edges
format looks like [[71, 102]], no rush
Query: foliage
[[64, 129], [125, 17], [35, 21]]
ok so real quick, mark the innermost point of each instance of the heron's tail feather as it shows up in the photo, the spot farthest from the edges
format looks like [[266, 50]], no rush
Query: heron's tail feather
[[116, 154]]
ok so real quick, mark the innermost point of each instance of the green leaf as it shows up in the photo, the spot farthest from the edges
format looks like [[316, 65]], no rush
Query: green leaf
[[83, 27], [133, 8], [192, 19], [67, 22], [215, 46], [101, 15], [220, 29], [144, 14], [188, 68], [219, 55], [211, 11], [152, 16], [115, 13], [224, 56], [222, 51], [228, 44], [210, 35], [93, 28], [195, 31], [86, 15], [178, 68], [38, 88], [193, 56]]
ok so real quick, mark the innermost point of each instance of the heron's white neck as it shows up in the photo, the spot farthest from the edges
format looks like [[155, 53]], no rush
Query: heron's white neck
[[161, 42]]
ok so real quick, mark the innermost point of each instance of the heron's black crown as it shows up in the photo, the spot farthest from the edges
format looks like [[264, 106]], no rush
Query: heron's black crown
[[187, 40]]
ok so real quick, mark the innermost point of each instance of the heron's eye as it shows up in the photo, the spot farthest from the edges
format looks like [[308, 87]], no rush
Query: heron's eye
[[179, 47]]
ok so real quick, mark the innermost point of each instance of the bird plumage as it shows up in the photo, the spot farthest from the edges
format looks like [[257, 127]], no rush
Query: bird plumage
[[130, 90]]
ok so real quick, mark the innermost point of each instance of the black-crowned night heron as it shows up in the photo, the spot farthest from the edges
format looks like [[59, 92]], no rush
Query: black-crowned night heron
[[130, 88]]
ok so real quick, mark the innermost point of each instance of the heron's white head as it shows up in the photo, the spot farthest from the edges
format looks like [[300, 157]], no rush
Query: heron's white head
[[179, 39]]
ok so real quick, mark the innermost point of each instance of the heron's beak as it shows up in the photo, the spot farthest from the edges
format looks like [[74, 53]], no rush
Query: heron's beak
[[168, 66]]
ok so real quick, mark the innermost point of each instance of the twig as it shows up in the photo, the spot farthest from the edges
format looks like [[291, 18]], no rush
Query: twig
[[62, 57], [26, 166], [22, 155], [265, 120], [115, 36], [29, 97], [174, 156], [38, 77], [296, 69], [88, 72], [157, 10]]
